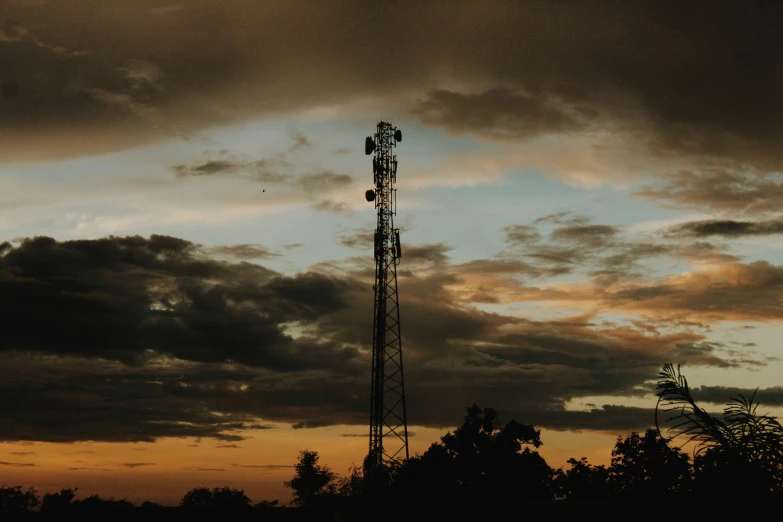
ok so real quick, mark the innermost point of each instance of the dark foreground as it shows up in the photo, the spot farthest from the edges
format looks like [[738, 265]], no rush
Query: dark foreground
[[366, 510]]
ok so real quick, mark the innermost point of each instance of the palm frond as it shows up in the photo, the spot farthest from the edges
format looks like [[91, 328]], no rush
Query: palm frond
[[697, 425], [745, 435]]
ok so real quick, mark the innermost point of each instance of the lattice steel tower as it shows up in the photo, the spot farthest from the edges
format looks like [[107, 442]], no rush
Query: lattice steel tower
[[388, 421]]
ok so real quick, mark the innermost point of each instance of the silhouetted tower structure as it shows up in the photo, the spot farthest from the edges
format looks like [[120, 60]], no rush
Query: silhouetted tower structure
[[388, 421]]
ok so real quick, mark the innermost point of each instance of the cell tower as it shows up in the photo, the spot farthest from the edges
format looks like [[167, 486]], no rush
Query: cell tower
[[388, 421]]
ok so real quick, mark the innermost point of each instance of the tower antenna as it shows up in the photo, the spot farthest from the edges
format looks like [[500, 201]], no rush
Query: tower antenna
[[388, 419]]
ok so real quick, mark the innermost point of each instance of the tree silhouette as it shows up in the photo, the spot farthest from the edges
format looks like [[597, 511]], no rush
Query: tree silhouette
[[312, 483], [97, 507], [15, 501], [352, 485], [223, 499], [482, 457], [488, 457], [582, 481], [645, 467], [429, 475], [266, 504], [60, 503], [197, 498], [377, 477]]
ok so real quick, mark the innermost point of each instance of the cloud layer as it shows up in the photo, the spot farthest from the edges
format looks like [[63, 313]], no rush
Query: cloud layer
[[681, 78], [131, 338]]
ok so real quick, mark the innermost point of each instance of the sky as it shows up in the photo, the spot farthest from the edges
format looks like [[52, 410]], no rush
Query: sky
[[586, 191]]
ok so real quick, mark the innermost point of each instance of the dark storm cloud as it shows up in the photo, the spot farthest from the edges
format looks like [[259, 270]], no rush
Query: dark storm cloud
[[17, 464], [316, 184], [558, 255], [580, 347], [245, 251], [592, 236], [608, 255], [335, 207], [121, 297], [137, 464], [538, 409], [574, 243], [205, 169], [226, 163], [718, 189], [571, 230], [618, 269], [684, 78], [310, 295], [728, 228], [702, 250], [730, 291], [358, 239], [300, 142], [498, 266], [562, 218], [497, 114], [607, 418], [68, 398], [313, 423], [561, 249], [721, 395], [324, 181], [521, 234], [435, 253]]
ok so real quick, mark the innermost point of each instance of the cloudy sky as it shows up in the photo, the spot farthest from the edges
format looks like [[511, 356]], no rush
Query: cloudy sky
[[587, 190]]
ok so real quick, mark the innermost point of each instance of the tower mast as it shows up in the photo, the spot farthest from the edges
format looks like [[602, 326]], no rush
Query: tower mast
[[388, 420]]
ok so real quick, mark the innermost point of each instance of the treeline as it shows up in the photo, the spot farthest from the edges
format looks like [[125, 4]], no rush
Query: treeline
[[487, 469], [18, 503], [735, 455]]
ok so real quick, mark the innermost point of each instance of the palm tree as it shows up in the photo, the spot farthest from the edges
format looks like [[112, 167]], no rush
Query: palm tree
[[745, 444]]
